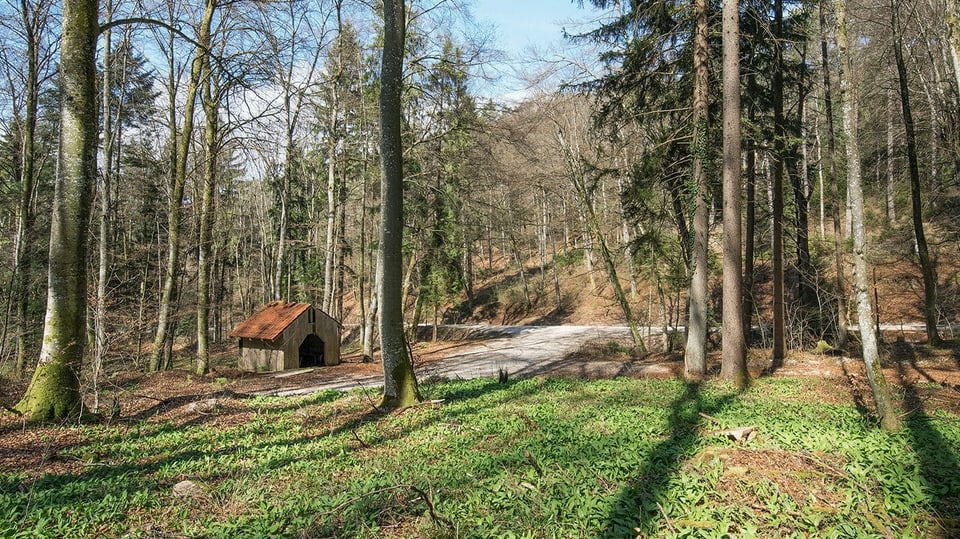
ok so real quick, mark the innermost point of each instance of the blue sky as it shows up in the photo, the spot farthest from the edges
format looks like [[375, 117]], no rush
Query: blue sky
[[521, 26], [521, 23]]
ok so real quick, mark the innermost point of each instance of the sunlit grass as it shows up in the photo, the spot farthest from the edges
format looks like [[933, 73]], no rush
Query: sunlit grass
[[536, 458]]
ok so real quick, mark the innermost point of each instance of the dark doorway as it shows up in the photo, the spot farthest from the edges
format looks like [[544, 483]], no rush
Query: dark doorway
[[311, 352]]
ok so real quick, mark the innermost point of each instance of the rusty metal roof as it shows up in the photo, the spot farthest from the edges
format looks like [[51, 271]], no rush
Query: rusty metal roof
[[270, 321]]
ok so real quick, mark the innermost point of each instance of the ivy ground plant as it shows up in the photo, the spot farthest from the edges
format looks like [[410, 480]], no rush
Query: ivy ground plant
[[525, 458]]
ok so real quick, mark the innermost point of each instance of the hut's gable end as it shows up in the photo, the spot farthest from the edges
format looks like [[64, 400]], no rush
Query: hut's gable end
[[271, 338]]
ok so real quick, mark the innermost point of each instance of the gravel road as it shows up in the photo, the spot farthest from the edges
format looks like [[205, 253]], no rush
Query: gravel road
[[521, 351]]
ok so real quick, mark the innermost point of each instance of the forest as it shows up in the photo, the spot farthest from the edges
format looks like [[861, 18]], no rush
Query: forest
[[238, 159], [764, 193]]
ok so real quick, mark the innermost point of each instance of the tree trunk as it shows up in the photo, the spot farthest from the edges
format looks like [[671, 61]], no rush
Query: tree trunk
[[820, 185], [53, 392], [750, 225], [927, 267], [399, 381], [888, 416], [328, 264], [806, 295], [734, 354], [953, 37], [891, 207], [373, 313], [695, 356], [779, 151], [106, 203], [162, 343], [207, 216], [843, 321], [31, 20]]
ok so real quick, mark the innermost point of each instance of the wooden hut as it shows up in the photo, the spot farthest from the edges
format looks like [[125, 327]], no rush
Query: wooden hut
[[283, 336]]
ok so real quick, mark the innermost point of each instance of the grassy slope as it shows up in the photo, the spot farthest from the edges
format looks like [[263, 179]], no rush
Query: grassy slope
[[555, 458]]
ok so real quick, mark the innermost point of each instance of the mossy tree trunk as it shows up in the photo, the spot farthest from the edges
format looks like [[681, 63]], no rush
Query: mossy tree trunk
[[399, 381], [54, 389]]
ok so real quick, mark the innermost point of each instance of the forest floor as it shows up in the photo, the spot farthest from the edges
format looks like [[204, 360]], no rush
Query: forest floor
[[915, 370], [330, 464], [165, 427]]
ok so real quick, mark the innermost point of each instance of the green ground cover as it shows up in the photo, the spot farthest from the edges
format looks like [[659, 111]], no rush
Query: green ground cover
[[529, 458]]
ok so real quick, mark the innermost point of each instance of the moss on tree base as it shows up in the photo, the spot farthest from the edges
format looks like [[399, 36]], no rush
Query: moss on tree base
[[407, 393], [54, 394]]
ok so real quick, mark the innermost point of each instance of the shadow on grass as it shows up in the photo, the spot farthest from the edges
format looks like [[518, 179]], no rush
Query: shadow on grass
[[639, 507], [935, 453], [165, 462], [643, 499], [858, 392]]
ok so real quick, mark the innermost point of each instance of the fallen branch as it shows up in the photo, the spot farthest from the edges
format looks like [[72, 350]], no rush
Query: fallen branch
[[405, 409], [436, 517]]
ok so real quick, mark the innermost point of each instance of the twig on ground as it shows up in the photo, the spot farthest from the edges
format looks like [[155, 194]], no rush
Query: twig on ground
[[533, 462], [711, 418], [427, 499], [357, 437], [366, 393], [666, 518], [875, 522], [436, 517]]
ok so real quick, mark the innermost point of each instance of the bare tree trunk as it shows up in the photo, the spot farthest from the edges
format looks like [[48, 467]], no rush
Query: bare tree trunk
[[805, 291], [372, 313], [695, 355], [518, 259], [207, 216], [868, 335], [734, 354], [820, 185], [53, 392], [953, 37], [328, 267], [330, 254], [106, 203], [779, 150], [927, 266], [750, 219], [33, 20], [341, 250], [399, 382], [891, 208], [162, 343], [585, 193], [843, 320], [276, 283]]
